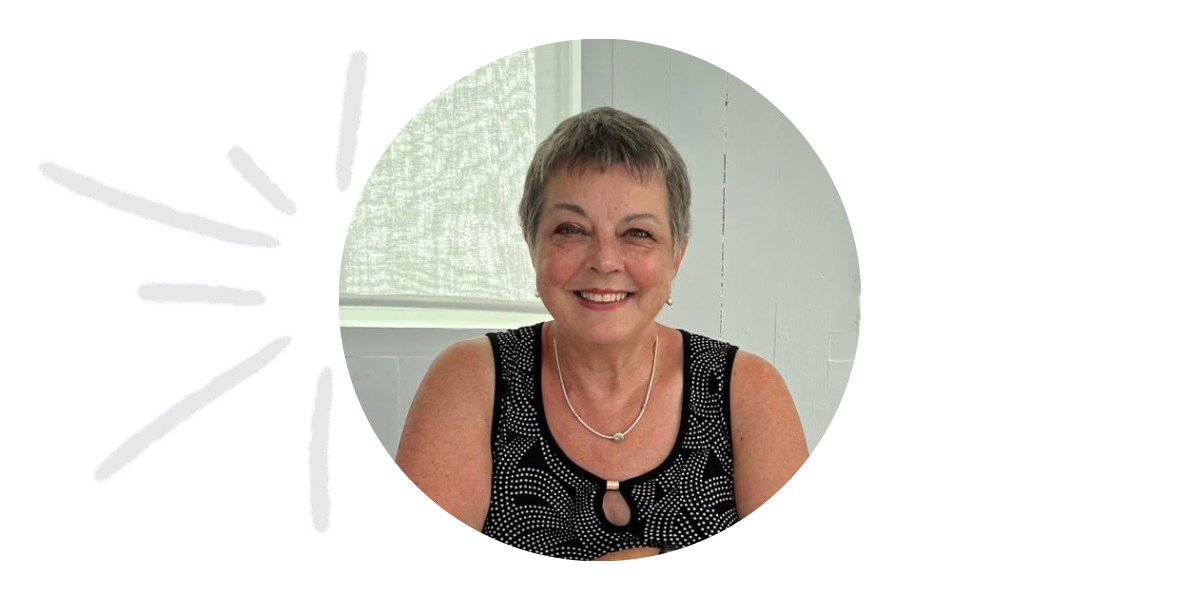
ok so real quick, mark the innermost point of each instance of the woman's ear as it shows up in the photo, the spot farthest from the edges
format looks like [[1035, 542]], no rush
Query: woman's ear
[[679, 255]]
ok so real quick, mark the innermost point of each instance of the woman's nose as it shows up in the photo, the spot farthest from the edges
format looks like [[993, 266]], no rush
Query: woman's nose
[[606, 256]]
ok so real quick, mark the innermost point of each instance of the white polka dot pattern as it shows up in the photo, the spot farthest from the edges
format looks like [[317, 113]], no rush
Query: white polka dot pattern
[[545, 503]]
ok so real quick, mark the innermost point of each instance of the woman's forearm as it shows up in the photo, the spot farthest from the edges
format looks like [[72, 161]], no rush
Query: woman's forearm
[[631, 555]]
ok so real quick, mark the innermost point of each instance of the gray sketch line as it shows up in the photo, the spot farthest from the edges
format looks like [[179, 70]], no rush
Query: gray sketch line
[[259, 180], [318, 454], [319, 451], [182, 411], [199, 293], [356, 76], [148, 209]]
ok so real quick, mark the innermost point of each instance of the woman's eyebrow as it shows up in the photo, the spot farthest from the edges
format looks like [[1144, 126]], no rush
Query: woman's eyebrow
[[637, 216], [575, 208]]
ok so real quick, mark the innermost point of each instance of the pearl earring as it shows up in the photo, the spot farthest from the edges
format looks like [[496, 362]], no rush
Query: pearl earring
[[669, 303], [536, 294]]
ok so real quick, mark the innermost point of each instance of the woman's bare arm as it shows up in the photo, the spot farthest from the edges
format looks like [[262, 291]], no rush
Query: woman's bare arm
[[446, 445], [768, 439], [630, 554]]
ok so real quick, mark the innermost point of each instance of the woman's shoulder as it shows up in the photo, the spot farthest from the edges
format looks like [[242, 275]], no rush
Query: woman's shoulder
[[445, 446], [466, 354], [461, 372], [752, 378], [768, 437], [752, 372], [465, 371]]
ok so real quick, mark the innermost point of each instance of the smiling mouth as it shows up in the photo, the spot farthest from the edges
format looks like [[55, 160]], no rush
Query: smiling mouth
[[603, 298]]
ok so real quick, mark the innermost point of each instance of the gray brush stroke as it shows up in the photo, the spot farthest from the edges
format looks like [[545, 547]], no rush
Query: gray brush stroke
[[356, 76], [203, 294], [147, 209], [319, 451], [259, 180], [190, 405]]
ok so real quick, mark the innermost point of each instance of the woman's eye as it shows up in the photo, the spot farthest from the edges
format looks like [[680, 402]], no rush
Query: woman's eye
[[568, 229], [639, 233]]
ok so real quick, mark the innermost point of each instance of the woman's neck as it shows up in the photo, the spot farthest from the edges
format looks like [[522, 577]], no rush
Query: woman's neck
[[604, 373]]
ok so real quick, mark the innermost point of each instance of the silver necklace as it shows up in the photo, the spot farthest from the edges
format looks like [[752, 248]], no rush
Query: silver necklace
[[616, 437]]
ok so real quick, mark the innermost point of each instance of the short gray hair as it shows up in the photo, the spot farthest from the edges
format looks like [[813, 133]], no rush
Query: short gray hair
[[600, 138]]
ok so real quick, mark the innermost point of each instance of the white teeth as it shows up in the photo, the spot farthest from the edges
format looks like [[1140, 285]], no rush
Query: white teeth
[[603, 297]]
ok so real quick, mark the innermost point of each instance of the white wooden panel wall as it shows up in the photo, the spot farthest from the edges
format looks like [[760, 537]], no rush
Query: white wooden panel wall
[[696, 125], [596, 77], [754, 261], [819, 294], [802, 324], [641, 81]]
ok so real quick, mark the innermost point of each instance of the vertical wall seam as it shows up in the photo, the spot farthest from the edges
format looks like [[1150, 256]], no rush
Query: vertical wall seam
[[724, 187]]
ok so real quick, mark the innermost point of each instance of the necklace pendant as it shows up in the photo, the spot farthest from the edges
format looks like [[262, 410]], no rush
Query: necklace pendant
[[617, 437]]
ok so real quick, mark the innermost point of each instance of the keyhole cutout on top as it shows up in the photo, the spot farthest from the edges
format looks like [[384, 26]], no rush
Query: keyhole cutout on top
[[616, 510]]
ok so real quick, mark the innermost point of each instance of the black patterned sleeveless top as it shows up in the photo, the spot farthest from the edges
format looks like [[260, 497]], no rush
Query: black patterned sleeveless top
[[543, 502]]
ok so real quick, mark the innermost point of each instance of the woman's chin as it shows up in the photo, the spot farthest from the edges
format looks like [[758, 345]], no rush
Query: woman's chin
[[597, 331]]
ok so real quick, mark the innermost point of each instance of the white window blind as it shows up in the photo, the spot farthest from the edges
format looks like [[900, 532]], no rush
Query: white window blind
[[436, 225]]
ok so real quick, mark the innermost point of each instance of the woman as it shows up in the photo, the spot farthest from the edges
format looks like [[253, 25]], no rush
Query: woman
[[602, 434]]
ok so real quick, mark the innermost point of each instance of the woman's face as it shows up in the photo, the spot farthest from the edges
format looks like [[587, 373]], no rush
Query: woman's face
[[603, 252]]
